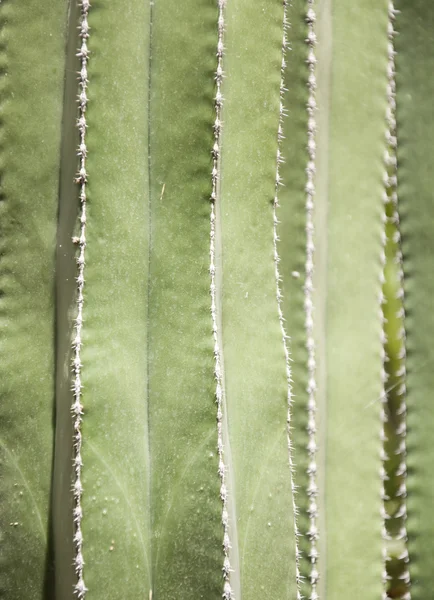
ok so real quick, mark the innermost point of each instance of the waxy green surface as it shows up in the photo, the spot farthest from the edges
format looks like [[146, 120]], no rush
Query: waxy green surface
[[30, 132], [151, 505]]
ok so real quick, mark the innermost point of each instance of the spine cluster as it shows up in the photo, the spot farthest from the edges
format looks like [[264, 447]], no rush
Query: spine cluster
[[77, 407], [391, 198], [278, 182], [227, 589], [312, 489]]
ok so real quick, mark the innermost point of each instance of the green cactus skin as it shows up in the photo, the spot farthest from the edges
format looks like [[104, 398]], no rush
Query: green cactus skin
[[415, 87], [186, 369], [32, 37]]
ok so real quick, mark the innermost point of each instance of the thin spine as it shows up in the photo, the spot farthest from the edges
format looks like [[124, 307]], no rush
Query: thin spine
[[391, 182], [312, 489], [77, 407], [279, 297], [218, 103]]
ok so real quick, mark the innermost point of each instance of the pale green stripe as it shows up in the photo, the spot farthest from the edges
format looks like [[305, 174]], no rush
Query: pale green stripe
[[355, 147], [256, 387]]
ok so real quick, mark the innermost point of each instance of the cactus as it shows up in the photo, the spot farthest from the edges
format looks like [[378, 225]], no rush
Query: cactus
[[215, 358]]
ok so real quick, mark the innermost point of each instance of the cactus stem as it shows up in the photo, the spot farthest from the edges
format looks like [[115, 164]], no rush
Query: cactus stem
[[279, 159], [391, 198], [77, 407]]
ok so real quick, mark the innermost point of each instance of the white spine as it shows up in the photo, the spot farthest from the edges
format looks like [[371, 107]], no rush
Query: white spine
[[392, 196], [308, 302], [278, 182], [77, 408], [227, 589]]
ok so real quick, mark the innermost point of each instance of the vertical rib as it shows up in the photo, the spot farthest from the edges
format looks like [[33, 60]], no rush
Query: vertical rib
[[279, 297], [227, 589], [312, 489], [394, 412], [77, 407]]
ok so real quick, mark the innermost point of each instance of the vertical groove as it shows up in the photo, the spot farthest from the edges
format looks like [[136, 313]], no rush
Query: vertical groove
[[77, 408], [397, 520], [278, 182], [312, 489], [227, 588]]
